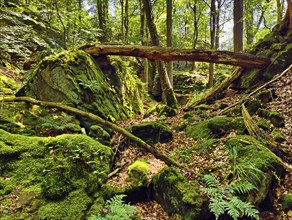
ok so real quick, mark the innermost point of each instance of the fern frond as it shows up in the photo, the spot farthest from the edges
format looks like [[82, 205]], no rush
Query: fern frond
[[210, 191], [211, 181], [217, 207], [242, 187]]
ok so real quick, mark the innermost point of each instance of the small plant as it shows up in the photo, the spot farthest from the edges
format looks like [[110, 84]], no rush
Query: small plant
[[224, 199], [117, 210]]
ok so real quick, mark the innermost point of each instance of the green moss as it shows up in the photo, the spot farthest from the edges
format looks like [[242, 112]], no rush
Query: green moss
[[263, 113], [286, 201], [253, 162], [48, 172], [198, 130], [263, 124], [202, 107], [152, 132], [252, 106], [73, 207], [100, 134], [279, 63], [266, 95], [76, 161], [277, 119], [73, 77], [220, 125], [176, 195], [278, 136], [138, 173], [217, 126]]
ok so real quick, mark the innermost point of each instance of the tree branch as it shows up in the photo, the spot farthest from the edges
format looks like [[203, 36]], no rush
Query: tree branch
[[100, 121]]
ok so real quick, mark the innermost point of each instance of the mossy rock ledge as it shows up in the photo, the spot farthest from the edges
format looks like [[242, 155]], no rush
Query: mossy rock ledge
[[254, 163], [216, 127], [177, 196], [53, 178], [74, 78]]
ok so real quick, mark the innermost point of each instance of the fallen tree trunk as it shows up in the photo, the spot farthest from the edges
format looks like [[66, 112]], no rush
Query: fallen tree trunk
[[170, 54], [100, 121], [215, 90]]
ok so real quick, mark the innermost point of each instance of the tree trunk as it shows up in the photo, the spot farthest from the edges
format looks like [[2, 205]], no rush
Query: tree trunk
[[238, 25], [169, 38], [144, 41], [126, 22], [171, 54], [168, 93], [212, 39]]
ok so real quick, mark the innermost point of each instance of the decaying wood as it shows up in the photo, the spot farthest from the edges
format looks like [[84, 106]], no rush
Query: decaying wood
[[256, 132], [170, 54], [245, 98], [100, 121], [217, 89]]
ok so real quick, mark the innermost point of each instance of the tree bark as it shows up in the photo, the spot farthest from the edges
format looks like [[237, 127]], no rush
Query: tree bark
[[170, 54], [100, 121], [212, 39], [168, 93], [169, 38], [238, 25]]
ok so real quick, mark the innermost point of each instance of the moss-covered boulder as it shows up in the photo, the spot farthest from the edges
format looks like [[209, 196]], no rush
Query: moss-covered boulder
[[253, 162], [56, 178], [217, 126], [138, 174], [278, 136], [276, 118], [74, 78], [176, 195], [152, 132], [286, 201], [160, 109]]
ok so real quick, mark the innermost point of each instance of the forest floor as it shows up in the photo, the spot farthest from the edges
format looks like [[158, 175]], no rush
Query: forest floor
[[202, 162]]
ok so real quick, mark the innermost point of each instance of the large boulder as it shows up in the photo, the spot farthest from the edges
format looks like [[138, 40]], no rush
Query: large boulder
[[152, 132], [74, 78], [50, 178], [176, 195], [253, 163]]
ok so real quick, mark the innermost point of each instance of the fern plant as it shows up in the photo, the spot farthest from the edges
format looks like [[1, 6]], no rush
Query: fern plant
[[117, 210], [224, 199]]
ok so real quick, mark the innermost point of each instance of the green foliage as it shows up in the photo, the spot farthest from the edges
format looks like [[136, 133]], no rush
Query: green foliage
[[224, 199], [59, 123], [117, 210]]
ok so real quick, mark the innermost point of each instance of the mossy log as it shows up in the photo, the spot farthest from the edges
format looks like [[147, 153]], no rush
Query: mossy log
[[170, 54], [100, 121], [215, 90]]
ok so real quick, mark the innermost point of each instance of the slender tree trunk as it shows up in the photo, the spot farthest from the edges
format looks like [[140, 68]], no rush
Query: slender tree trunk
[[126, 22], [122, 20], [238, 25], [164, 80], [143, 33], [62, 23], [279, 11], [196, 19], [212, 36], [169, 65]]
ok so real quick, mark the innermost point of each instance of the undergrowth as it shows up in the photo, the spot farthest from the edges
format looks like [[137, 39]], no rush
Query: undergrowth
[[224, 199], [117, 210]]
